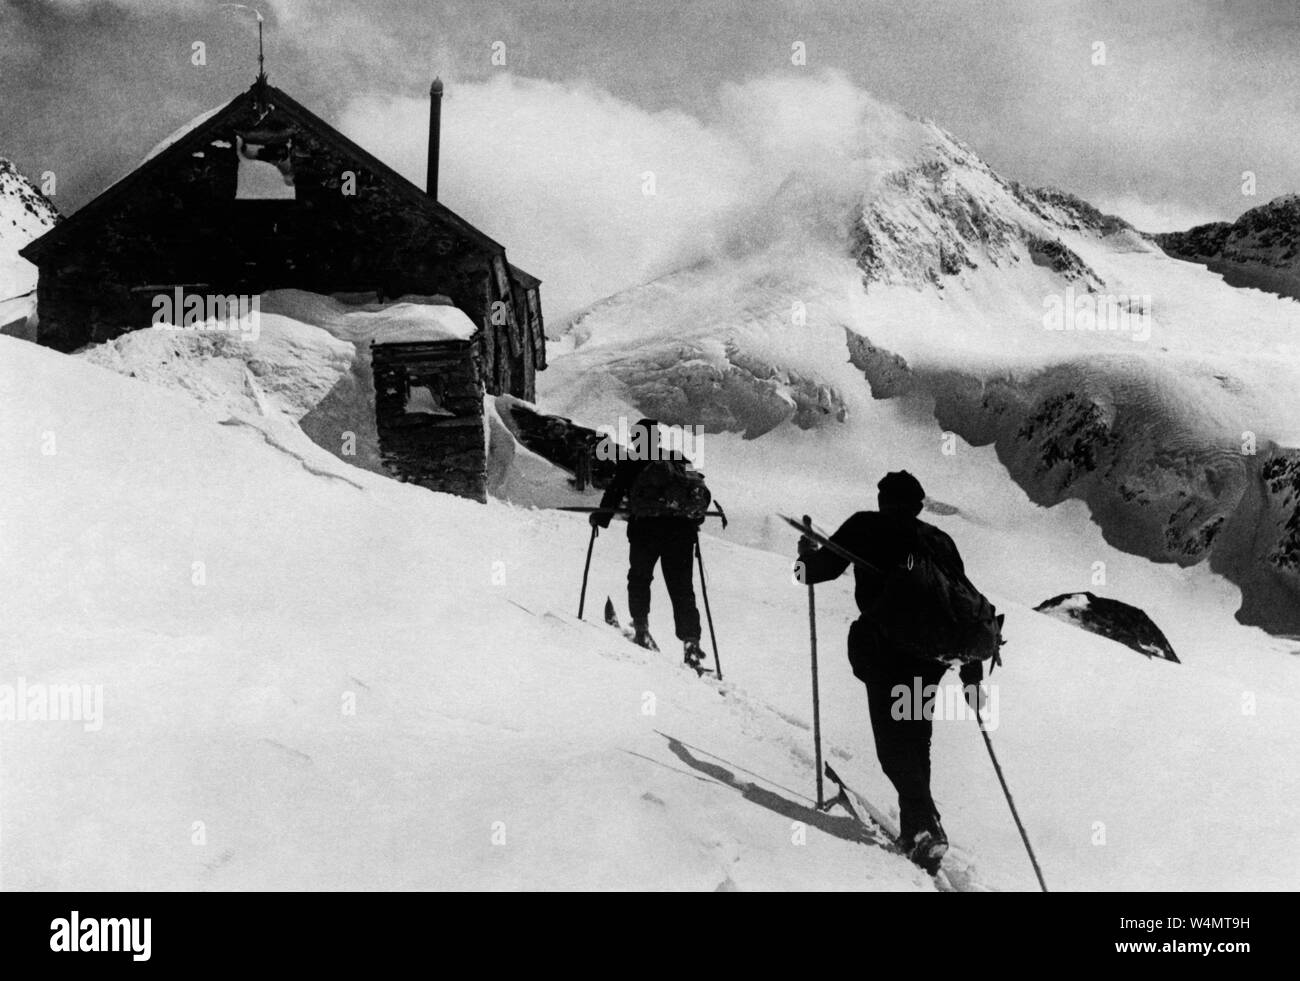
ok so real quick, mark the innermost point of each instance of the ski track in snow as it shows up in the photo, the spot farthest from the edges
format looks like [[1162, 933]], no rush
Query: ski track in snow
[[275, 444]]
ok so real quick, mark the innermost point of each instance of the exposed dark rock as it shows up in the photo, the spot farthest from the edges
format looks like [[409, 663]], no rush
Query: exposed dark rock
[[935, 227], [15, 185], [1075, 433], [1055, 205], [739, 393], [1053, 254], [943, 230], [1260, 250], [561, 441], [1110, 618], [1202, 241], [887, 373], [1281, 476], [1069, 435]]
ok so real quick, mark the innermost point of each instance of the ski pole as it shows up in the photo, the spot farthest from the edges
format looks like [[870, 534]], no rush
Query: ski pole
[[704, 590], [811, 533], [582, 601], [583, 509], [817, 711], [1007, 792]]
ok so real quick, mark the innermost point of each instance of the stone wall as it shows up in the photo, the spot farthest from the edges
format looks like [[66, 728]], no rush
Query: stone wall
[[415, 383]]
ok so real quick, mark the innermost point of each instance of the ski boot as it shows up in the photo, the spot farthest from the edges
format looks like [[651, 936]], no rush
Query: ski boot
[[921, 838], [693, 655], [641, 635], [927, 849]]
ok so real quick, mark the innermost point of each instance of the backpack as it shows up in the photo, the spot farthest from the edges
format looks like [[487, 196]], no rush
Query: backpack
[[930, 610], [668, 488]]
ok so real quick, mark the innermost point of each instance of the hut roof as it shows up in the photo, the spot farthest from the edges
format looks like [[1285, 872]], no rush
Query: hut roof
[[194, 134]]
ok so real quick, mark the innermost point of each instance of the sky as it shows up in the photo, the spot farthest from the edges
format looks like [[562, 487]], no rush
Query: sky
[[1151, 109]]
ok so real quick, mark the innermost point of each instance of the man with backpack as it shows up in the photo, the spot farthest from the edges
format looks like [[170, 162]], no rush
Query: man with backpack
[[666, 501], [909, 580]]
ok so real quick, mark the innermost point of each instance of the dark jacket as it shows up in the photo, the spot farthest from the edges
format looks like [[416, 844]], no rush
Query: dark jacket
[[625, 474], [883, 539]]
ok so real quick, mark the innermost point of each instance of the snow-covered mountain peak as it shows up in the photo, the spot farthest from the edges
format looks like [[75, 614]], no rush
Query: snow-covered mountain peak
[[949, 214], [904, 267], [911, 204], [25, 214]]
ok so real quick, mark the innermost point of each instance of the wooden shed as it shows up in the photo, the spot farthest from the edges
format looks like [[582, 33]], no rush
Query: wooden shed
[[262, 194]]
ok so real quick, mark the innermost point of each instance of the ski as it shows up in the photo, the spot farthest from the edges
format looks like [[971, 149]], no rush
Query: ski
[[952, 875], [584, 509], [821, 538], [695, 665], [611, 618]]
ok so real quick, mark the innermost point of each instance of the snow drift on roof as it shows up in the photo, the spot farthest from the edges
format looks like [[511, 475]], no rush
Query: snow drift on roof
[[408, 319], [183, 131]]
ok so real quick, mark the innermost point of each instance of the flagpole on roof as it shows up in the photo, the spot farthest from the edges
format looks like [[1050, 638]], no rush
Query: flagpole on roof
[[261, 56]]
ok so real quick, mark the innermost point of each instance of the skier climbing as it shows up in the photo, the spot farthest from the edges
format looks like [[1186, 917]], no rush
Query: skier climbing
[[666, 501], [885, 539]]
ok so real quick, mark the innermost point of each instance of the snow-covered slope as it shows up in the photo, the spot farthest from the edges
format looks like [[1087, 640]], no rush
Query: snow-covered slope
[[316, 677], [335, 680], [1098, 368], [25, 214]]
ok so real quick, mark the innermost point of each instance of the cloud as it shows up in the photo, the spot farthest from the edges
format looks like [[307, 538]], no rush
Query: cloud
[[594, 194], [1193, 94], [18, 45], [585, 191], [1158, 216]]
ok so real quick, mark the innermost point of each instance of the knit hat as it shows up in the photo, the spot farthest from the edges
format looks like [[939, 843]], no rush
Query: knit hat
[[900, 491]]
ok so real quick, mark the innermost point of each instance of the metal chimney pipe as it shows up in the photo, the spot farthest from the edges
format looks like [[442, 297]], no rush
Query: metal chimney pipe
[[435, 137]]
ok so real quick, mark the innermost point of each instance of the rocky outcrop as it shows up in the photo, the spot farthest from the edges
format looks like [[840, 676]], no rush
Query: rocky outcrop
[[561, 441], [886, 372], [1085, 432], [738, 392], [1258, 547], [1068, 211], [1056, 256], [1260, 250], [1110, 618], [926, 226], [951, 214], [1158, 483]]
